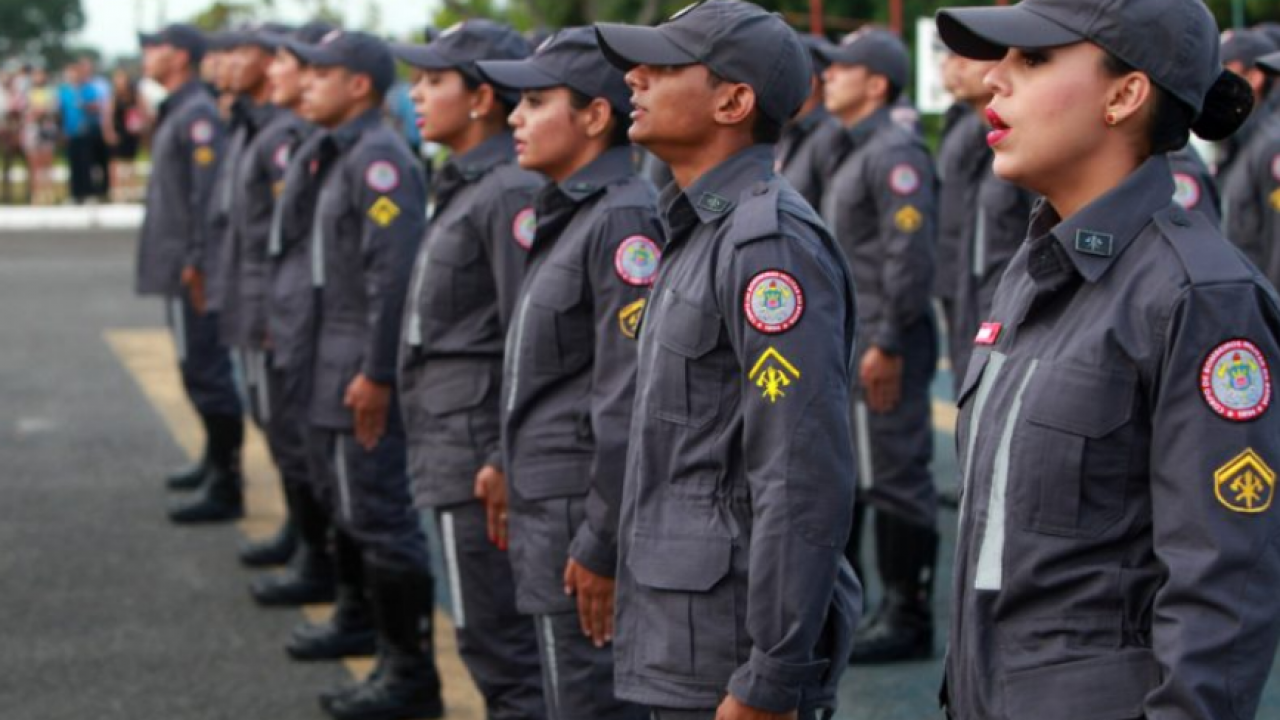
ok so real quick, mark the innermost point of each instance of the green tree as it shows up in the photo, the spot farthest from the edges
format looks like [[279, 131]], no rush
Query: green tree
[[38, 28]]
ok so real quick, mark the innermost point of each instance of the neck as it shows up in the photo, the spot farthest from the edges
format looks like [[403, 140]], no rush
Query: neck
[[470, 137], [589, 152], [176, 80], [692, 162], [353, 111], [260, 95], [858, 113], [1075, 188]]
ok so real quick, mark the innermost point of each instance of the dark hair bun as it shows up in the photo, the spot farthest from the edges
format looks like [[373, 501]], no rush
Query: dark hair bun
[[1226, 107]]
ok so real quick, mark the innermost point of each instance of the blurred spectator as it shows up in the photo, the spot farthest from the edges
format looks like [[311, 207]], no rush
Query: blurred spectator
[[40, 136], [99, 152], [81, 111], [126, 120]]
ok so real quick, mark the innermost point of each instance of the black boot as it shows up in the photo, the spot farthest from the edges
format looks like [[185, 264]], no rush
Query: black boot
[[221, 497], [192, 476], [273, 551], [349, 631], [405, 685], [902, 628], [310, 575]]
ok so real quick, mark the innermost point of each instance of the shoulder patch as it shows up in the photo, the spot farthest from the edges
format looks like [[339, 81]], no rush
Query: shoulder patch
[[382, 176], [384, 211], [1275, 167], [1235, 381], [903, 179], [281, 156], [524, 227], [629, 319], [773, 302], [201, 132], [1245, 484], [773, 374], [1275, 200], [908, 219], [636, 260], [1186, 190], [203, 155]]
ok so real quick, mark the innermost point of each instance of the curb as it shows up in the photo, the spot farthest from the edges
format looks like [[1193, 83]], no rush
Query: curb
[[71, 217]]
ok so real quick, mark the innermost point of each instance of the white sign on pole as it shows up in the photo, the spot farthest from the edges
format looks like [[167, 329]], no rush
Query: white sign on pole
[[931, 96]]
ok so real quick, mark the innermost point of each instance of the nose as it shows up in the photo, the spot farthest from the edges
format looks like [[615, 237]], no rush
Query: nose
[[997, 78], [637, 77]]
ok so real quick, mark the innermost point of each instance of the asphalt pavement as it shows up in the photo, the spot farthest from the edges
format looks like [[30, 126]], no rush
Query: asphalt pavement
[[106, 610]]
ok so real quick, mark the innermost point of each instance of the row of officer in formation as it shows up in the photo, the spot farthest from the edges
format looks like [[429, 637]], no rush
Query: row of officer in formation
[[640, 420]]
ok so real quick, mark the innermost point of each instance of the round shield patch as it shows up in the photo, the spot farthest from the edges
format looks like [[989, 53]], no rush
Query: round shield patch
[[382, 177], [1186, 191], [524, 228], [1275, 167], [201, 132], [637, 260], [904, 179], [773, 302], [1236, 381], [281, 156]]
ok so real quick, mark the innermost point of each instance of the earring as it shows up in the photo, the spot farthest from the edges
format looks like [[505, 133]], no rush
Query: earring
[[1112, 119], [474, 115]]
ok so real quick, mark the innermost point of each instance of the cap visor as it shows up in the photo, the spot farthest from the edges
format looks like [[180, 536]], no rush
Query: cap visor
[[316, 55], [271, 40], [1270, 64], [626, 46], [424, 57], [987, 33], [517, 74]]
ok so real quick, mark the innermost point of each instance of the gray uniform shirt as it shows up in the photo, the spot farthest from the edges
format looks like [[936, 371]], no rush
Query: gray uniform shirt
[[369, 220], [740, 472], [290, 303], [1117, 554], [453, 331], [880, 204], [1194, 186], [1251, 213], [806, 153], [569, 375], [961, 155], [177, 227]]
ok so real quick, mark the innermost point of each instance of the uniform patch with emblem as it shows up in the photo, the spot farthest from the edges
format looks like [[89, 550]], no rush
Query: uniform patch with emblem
[[904, 180], [525, 227], [1186, 191], [988, 334], [201, 132], [773, 302], [629, 319], [1090, 242], [713, 203], [636, 260], [281, 156], [908, 219], [277, 188], [381, 176], [384, 211], [773, 374], [1245, 484], [203, 155], [1236, 381], [1275, 200]]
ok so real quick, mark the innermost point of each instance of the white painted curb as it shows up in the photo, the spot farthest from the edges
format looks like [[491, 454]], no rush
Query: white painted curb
[[71, 217]]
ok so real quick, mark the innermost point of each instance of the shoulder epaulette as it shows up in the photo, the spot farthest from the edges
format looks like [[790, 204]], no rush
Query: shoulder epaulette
[[756, 216], [1205, 255]]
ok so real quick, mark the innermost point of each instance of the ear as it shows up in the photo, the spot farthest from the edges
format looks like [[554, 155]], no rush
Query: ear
[[483, 100], [361, 85], [878, 86], [1129, 94], [595, 117], [734, 103]]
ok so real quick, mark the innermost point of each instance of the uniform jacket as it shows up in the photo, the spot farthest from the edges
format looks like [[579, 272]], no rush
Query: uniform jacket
[[1195, 187], [881, 205], [1117, 554], [369, 219], [961, 154], [569, 376], [290, 302], [465, 279], [807, 151], [740, 472], [1251, 212], [177, 231]]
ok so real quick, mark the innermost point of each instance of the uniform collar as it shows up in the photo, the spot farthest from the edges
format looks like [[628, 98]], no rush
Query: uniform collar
[[714, 195], [610, 166], [1098, 234], [869, 125], [179, 96], [491, 152], [805, 125], [346, 135]]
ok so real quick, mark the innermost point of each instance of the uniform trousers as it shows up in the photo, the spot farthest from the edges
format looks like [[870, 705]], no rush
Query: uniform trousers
[[205, 364]]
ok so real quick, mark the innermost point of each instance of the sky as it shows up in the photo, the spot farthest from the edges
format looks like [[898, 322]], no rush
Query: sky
[[111, 25]]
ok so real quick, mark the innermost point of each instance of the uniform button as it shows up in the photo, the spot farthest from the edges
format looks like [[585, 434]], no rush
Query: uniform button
[[761, 190], [1181, 220]]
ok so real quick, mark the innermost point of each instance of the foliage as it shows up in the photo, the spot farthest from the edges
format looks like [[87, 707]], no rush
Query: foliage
[[38, 29]]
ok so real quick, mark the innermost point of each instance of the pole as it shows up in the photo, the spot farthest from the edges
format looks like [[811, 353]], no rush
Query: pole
[[895, 16], [1237, 14], [816, 18]]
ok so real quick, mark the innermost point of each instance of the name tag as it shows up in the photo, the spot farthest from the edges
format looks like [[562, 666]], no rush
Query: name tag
[[988, 334]]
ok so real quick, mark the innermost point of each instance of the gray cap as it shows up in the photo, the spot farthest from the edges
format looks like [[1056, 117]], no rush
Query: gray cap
[[1270, 64], [880, 51], [1272, 30], [736, 40], [268, 36], [570, 58], [817, 46], [1246, 46], [179, 35], [1175, 42], [464, 44], [358, 52]]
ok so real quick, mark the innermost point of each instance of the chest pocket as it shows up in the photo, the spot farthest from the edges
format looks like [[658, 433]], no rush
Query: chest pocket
[[1072, 453], [452, 272], [560, 338], [689, 391]]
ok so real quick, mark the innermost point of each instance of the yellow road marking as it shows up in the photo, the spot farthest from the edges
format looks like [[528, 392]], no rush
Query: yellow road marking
[[944, 416], [149, 356]]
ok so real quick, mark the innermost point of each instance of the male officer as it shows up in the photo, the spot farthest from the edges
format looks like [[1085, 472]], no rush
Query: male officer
[[465, 281], [1240, 52], [880, 204], [981, 217], [369, 218], [734, 597], [175, 251], [1254, 226], [812, 136]]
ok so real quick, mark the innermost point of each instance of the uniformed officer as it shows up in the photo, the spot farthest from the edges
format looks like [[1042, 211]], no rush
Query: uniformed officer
[[981, 218], [1116, 555], [369, 217], [1240, 52], [570, 368], [734, 597], [1254, 223], [880, 205], [1195, 188], [810, 139], [463, 290], [175, 250]]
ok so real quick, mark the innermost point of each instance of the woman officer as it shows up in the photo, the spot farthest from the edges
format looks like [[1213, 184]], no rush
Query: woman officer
[[1116, 554]]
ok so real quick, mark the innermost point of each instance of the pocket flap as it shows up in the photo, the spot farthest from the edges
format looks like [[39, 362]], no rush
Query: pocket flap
[[1111, 687], [687, 329], [557, 287], [455, 248], [1081, 401], [686, 563], [451, 387]]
